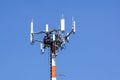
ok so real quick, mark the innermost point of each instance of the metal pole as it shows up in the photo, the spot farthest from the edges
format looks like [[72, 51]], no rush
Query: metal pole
[[50, 64], [53, 63]]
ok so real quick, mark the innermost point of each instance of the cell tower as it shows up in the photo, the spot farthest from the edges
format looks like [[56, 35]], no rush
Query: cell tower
[[53, 39]]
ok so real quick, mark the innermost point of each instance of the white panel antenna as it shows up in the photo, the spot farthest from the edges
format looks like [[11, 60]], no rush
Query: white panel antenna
[[62, 24], [32, 27], [42, 48], [47, 28], [31, 32], [53, 36], [73, 26]]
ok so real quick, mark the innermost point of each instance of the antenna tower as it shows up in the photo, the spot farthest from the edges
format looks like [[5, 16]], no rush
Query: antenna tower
[[53, 39]]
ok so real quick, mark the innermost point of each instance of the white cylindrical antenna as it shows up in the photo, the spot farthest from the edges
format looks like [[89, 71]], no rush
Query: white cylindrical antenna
[[53, 36], [74, 26], [32, 27], [46, 27], [62, 24], [31, 32], [42, 48]]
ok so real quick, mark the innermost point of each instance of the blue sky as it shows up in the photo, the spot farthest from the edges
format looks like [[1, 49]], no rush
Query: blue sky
[[93, 53]]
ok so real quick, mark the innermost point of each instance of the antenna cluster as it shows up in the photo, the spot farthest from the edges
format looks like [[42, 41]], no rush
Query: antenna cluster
[[56, 37]]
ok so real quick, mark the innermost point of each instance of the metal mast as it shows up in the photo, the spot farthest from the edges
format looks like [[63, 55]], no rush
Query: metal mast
[[54, 39]]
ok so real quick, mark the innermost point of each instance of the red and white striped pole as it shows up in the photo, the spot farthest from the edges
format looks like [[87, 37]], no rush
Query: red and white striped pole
[[53, 63]]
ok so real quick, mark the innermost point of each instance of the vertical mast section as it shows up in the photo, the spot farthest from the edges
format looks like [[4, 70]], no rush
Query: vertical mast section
[[53, 63]]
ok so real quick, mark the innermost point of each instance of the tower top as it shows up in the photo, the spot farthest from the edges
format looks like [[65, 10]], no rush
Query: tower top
[[55, 36]]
